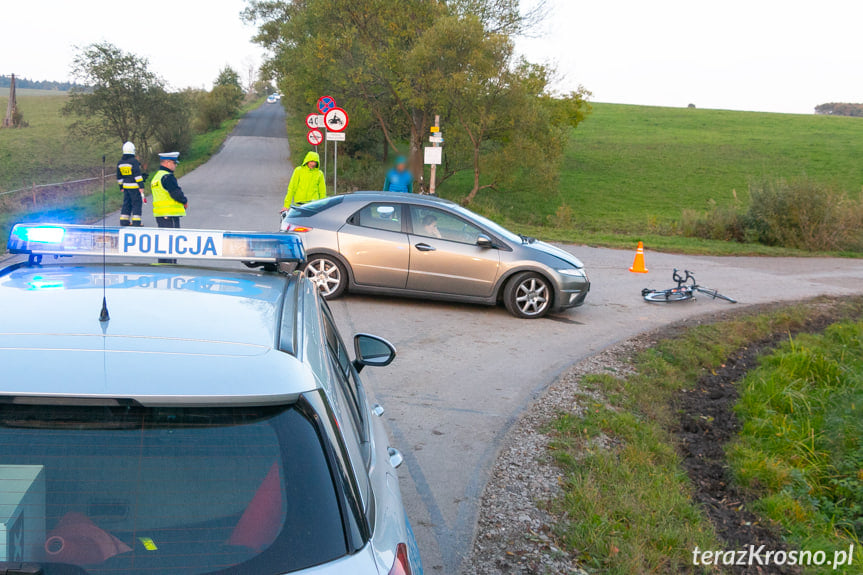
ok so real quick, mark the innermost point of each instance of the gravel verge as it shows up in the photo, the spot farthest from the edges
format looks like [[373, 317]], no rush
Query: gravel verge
[[514, 529]]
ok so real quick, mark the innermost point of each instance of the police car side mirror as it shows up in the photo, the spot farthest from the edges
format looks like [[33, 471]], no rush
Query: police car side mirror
[[372, 351]]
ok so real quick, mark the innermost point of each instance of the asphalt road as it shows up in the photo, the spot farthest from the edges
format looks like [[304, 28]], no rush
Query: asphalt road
[[465, 373]]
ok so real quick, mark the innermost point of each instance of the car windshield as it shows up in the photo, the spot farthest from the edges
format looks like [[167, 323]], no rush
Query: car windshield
[[137, 490], [315, 207], [488, 224]]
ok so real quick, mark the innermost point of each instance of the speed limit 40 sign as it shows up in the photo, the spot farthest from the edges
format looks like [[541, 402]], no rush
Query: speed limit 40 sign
[[314, 121]]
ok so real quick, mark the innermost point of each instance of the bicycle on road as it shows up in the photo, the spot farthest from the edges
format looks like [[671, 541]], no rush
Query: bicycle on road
[[685, 290]]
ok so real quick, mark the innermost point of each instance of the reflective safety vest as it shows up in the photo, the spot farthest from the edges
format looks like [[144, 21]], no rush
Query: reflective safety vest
[[163, 203]]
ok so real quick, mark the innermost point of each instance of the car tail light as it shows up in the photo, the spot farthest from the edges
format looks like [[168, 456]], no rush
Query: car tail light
[[297, 229], [402, 566]]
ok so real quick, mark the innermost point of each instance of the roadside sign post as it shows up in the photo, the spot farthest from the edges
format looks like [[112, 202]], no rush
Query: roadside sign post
[[335, 121], [434, 154], [324, 105]]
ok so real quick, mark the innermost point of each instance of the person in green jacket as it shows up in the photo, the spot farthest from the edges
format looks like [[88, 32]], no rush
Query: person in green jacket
[[307, 182]]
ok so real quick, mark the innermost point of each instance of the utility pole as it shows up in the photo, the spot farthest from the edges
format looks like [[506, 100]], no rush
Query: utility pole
[[432, 179], [11, 118]]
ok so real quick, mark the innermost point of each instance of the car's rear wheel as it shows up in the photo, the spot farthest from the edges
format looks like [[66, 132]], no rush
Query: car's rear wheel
[[528, 295], [328, 274]]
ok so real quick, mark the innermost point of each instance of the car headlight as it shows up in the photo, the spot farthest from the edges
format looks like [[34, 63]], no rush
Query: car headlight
[[573, 272]]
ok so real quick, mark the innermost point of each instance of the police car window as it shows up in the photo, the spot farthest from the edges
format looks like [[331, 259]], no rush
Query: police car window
[[345, 368], [136, 490], [437, 224], [380, 217]]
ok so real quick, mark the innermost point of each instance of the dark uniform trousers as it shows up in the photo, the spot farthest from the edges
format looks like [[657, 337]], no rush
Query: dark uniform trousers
[[168, 222], [132, 207]]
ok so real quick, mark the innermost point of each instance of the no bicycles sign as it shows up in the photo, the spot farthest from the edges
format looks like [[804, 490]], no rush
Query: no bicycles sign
[[315, 137]]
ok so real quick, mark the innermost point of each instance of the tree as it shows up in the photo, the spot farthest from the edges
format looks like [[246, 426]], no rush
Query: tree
[[123, 100], [840, 109], [398, 64], [223, 101], [355, 48]]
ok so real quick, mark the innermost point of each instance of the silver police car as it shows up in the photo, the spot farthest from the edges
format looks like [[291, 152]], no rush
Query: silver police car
[[202, 420]]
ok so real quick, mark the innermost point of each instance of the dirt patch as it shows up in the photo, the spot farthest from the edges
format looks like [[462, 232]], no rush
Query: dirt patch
[[707, 424]]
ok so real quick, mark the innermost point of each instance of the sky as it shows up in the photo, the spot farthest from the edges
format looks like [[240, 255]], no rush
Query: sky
[[186, 41], [765, 55]]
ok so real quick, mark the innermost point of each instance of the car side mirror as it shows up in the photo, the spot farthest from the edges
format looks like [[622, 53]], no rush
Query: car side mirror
[[373, 351], [484, 241]]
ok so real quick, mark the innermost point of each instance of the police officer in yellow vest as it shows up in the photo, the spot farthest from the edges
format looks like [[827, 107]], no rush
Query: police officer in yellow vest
[[169, 202]]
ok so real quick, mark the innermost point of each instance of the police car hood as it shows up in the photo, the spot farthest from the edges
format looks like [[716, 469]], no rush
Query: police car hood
[[175, 334]]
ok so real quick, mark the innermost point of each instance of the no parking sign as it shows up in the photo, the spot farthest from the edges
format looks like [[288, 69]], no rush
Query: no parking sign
[[326, 103]]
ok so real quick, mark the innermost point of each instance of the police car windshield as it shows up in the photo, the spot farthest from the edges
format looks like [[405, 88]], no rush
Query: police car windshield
[[165, 490]]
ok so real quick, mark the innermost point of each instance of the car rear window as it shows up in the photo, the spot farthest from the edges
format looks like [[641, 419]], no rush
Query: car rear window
[[315, 207], [114, 490]]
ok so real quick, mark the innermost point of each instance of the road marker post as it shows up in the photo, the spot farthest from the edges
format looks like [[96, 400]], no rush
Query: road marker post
[[433, 155]]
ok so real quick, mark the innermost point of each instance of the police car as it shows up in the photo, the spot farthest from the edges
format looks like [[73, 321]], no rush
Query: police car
[[176, 419]]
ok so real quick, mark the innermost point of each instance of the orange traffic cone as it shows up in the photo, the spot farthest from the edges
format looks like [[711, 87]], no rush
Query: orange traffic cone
[[638, 264]]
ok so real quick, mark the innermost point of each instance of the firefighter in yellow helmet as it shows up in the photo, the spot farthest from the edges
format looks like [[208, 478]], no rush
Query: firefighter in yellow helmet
[[169, 201]]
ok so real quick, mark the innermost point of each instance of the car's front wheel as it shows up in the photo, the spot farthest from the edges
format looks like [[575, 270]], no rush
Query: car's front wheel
[[328, 274], [528, 295]]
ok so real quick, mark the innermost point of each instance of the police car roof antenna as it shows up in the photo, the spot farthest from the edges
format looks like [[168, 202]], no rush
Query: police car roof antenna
[[103, 315]]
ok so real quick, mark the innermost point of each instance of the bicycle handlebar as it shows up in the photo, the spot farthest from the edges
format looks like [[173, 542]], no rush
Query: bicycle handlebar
[[682, 280]]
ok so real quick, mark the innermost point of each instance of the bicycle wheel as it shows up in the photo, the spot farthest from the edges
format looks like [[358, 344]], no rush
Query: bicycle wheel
[[667, 296], [715, 294]]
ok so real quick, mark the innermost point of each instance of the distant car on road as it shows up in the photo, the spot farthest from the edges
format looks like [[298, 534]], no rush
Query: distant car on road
[[213, 424], [427, 247], [272, 99]]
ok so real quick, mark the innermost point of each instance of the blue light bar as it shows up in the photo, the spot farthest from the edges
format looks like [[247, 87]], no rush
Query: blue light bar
[[135, 242], [41, 234]]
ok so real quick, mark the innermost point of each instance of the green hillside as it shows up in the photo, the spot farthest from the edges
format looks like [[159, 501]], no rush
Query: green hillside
[[629, 171], [44, 152]]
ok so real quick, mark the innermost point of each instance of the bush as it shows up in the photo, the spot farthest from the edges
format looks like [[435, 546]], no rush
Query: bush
[[804, 215], [174, 132], [221, 103]]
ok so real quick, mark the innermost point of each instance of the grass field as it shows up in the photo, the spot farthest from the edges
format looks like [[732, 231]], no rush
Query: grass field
[[628, 508], [629, 171], [45, 153]]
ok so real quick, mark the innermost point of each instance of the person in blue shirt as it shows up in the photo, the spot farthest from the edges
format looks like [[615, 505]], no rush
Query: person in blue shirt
[[399, 178]]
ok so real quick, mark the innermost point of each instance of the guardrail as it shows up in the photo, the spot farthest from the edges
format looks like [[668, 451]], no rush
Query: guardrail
[[56, 184], [46, 194]]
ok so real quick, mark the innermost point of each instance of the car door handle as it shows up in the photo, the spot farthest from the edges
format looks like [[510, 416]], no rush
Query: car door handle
[[396, 457], [425, 248]]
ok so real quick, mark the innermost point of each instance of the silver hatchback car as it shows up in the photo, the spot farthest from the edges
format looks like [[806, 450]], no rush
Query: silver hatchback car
[[427, 247], [201, 421]]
